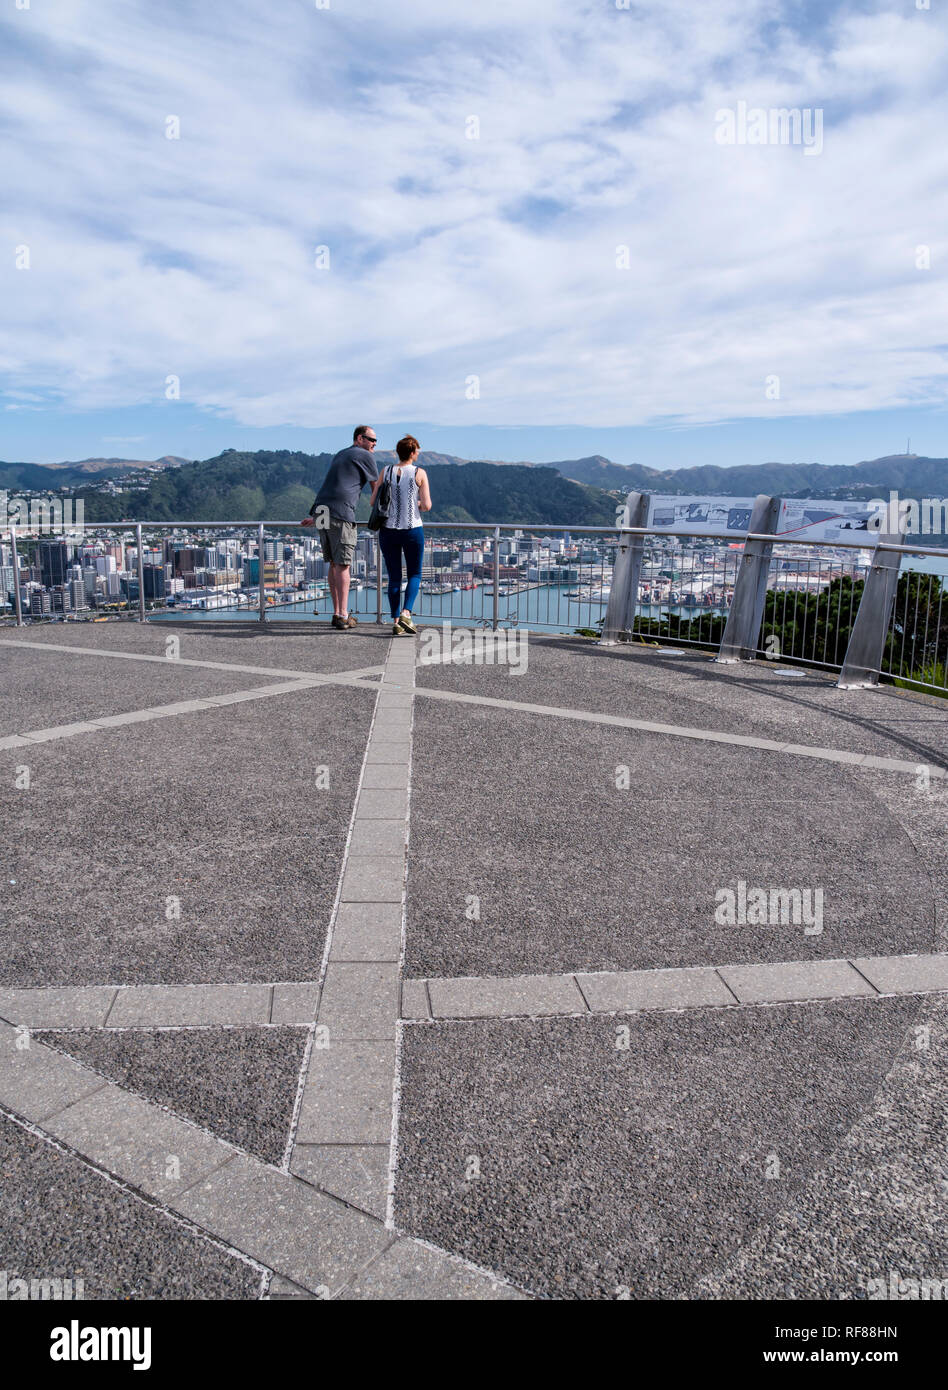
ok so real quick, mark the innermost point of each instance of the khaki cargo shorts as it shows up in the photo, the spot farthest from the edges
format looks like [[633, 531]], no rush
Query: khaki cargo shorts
[[339, 541]]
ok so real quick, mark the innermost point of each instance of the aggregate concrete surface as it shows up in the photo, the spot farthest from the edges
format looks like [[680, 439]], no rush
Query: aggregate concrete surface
[[638, 682], [63, 1220], [643, 1169], [240, 1083], [572, 872], [742, 1150], [219, 810]]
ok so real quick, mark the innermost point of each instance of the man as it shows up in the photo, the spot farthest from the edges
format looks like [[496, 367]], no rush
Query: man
[[348, 474]]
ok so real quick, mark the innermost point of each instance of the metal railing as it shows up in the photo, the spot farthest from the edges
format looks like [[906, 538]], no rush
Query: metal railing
[[729, 594]]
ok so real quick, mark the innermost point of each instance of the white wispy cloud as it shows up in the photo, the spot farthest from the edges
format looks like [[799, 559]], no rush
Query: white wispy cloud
[[451, 257]]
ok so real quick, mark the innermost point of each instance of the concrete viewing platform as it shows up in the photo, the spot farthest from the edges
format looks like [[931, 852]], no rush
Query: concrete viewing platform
[[329, 970]]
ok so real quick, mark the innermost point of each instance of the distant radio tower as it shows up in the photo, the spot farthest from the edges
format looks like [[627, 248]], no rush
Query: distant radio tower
[[908, 445]]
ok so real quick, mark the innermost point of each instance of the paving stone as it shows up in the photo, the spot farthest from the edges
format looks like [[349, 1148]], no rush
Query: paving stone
[[150, 1148], [283, 1222], [382, 805], [180, 707], [833, 755], [385, 777], [347, 1098], [357, 1173], [110, 721], [282, 1290], [653, 989], [37, 1082], [295, 1004], [61, 731], [414, 999], [503, 997], [373, 878], [905, 974], [367, 932], [813, 979], [410, 1270], [399, 732], [167, 1005], [377, 836], [236, 698], [359, 1000], [78, 1007], [388, 751], [899, 765]]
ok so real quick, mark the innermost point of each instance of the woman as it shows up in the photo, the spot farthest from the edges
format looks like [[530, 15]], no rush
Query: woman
[[402, 533]]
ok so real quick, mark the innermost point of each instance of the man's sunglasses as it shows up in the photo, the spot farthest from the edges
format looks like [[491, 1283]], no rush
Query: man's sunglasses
[[370, 438]]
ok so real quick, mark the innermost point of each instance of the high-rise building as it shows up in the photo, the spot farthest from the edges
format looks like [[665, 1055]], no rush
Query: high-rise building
[[54, 560], [189, 558], [154, 577]]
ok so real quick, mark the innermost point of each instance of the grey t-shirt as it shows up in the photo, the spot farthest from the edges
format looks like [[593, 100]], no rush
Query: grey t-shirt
[[348, 474]]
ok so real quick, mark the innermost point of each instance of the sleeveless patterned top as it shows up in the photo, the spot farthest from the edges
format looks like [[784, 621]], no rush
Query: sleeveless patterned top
[[403, 512]]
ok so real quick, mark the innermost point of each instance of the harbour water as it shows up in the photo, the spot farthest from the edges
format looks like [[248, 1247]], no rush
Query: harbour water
[[545, 608], [541, 608]]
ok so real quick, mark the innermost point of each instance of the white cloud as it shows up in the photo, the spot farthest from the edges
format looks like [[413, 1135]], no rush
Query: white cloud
[[453, 257]]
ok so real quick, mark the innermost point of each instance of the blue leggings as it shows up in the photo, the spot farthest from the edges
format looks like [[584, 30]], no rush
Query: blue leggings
[[394, 543]]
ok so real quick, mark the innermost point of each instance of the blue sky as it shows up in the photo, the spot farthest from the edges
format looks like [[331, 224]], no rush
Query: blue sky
[[594, 273]]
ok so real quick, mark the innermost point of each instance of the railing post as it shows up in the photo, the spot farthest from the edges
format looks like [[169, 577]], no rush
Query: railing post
[[378, 580], [863, 658], [17, 601], [262, 590], [141, 572], [746, 612], [495, 624], [624, 593]]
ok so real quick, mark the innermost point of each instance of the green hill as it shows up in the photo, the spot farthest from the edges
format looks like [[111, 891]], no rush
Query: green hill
[[280, 486]]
